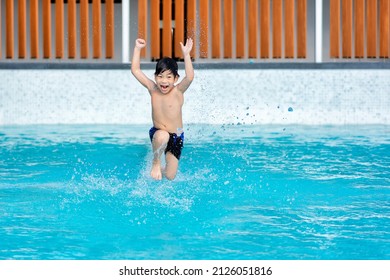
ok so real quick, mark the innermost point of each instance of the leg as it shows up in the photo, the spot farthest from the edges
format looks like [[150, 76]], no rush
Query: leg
[[172, 165], [159, 143]]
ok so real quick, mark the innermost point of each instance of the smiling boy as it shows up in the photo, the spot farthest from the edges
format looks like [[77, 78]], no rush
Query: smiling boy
[[167, 101]]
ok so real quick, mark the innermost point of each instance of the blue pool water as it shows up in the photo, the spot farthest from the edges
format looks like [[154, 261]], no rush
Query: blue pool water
[[242, 192]]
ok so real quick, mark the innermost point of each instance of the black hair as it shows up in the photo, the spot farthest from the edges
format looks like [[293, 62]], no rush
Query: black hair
[[167, 63]]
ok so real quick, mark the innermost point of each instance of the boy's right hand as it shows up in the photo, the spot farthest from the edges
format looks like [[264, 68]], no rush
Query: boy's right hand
[[140, 43]]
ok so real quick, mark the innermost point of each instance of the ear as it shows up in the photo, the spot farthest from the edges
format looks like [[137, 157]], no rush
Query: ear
[[176, 79]]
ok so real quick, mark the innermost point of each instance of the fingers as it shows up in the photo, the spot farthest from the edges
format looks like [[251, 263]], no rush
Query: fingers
[[140, 41], [189, 44]]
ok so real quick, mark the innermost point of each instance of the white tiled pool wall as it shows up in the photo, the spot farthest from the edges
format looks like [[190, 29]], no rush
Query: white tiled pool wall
[[215, 97]]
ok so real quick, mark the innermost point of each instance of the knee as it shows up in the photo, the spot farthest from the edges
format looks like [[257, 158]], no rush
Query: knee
[[170, 176]]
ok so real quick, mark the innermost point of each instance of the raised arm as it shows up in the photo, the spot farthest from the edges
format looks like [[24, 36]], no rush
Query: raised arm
[[136, 67], [189, 77]]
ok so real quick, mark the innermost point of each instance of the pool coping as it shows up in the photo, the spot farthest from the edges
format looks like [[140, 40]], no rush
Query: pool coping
[[199, 65]]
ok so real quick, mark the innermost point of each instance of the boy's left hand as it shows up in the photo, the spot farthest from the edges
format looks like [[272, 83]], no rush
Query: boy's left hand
[[187, 47]]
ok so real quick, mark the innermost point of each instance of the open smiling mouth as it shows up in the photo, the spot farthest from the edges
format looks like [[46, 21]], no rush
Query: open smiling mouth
[[164, 87]]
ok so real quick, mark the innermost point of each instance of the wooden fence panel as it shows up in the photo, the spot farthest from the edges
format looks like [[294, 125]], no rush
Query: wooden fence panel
[[334, 28], [46, 13], [84, 29], [142, 22], [72, 29], [110, 31], [289, 12], [155, 29], [359, 28], [384, 28], [22, 28], [96, 28], [302, 28], [179, 28], [265, 28], [203, 25], [371, 28], [253, 17], [9, 17], [347, 28], [167, 28], [59, 28], [240, 28], [216, 29], [277, 21], [191, 24], [32, 15], [228, 29], [34, 33]]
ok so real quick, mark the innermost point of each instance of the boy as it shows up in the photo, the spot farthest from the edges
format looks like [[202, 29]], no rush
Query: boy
[[167, 102]]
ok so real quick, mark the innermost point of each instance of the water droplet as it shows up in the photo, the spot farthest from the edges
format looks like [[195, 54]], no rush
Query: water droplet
[[290, 109]]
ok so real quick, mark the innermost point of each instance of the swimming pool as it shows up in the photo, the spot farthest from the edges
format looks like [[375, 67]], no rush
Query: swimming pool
[[242, 192]]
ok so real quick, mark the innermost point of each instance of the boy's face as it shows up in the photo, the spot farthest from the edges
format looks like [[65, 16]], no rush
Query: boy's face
[[165, 81]]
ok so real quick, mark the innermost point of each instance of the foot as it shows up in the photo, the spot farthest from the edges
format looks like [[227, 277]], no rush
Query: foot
[[156, 171]]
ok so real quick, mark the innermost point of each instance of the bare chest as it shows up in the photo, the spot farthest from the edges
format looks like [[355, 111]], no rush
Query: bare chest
[[171, 101]]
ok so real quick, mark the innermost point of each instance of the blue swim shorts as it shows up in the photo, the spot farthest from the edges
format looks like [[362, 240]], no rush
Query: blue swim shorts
[[175, 143]]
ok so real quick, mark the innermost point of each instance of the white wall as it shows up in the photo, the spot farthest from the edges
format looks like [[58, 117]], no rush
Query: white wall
[[216, 96]]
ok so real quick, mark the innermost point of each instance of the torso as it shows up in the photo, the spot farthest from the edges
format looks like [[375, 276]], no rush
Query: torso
[[167, 110]]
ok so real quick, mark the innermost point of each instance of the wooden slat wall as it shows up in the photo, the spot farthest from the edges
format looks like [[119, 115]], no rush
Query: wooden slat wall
[[204, 26], [384, 7], [33, 10], [46, 13], [334, 28], [59, 29], [347, 28], [9, 28], [216, 28], [265, 28], [167, 28], [361, 19], [359, 28], [277, 22], [22, 28], [34, 33], [228, 28], [302, 28], [155, 29], [84, 29], [97, 28], [289, 12], [240, 28], [179, 28], [72, 29], [191, 24], [371, 28], [253, 16], [110, 32], [142, 22]]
